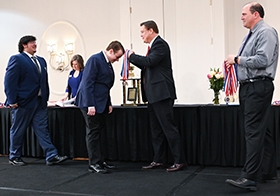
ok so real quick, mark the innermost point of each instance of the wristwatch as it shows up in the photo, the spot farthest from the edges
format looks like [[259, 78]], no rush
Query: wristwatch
[[236, 59]]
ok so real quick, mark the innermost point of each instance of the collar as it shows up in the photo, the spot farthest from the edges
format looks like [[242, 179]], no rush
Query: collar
[[107, 60], [29, 54], [257, 26], [150, 44]]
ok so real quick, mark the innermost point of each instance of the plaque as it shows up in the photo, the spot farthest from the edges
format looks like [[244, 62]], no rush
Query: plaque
[[131, 94]]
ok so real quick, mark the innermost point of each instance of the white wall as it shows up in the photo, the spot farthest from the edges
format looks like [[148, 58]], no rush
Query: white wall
[[235, 32], [98, 22], [200, 35]]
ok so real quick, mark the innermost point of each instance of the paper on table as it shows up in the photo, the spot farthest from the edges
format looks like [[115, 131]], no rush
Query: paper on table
[[67, 103]]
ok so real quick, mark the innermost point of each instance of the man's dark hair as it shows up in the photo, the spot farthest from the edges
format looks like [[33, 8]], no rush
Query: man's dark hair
[[24, 40], [116, 46], [257, 8], [150, 24]]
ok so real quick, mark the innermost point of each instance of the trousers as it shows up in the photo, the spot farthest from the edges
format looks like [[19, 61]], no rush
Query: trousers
[[255, 102]]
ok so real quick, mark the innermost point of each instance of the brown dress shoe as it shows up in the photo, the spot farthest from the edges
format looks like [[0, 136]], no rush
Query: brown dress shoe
[[176, 167], [153, 165]]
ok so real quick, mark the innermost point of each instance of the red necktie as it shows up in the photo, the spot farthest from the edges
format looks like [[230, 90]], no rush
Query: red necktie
[[149, 48]]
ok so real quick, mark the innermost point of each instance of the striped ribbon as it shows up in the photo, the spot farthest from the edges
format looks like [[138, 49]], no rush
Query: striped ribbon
[[125, 66], [231, 80]]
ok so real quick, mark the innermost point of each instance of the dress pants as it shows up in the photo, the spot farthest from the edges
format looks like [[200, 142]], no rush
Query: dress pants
[[164, 129], [95, 125], [37, 118], [255, 101]]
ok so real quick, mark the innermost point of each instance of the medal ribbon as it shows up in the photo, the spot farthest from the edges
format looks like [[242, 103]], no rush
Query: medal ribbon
[[231, 80], [125, 66]]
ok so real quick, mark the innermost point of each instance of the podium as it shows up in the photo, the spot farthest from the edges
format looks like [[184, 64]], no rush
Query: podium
[[131, 92]]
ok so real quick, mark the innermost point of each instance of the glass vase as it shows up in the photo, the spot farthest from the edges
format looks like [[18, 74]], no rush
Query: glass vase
[[216, 99]]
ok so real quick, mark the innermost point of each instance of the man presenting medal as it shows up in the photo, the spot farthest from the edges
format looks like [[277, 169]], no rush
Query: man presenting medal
[[158, 89]]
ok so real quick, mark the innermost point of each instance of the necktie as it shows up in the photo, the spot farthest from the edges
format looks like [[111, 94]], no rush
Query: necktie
[[110, 67], [36, 63], [246, 40], [149, 48]]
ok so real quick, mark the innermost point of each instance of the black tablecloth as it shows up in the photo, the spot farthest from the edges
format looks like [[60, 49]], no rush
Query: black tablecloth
[[211, 135]]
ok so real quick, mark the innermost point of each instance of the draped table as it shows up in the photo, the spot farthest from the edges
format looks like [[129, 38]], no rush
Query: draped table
[[211, 135]]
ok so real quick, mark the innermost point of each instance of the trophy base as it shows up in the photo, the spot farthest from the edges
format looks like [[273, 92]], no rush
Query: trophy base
[[142, 104], [128, 104]]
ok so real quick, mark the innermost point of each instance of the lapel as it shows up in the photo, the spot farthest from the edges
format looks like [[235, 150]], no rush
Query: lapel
[[32, 64], [155, 41], [108, 66]]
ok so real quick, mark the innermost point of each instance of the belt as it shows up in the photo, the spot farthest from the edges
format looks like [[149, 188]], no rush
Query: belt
[[260, 78]]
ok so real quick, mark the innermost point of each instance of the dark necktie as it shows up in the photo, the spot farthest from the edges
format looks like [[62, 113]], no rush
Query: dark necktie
[[241, 50], [36, 63], [246, 40], [110, 67]]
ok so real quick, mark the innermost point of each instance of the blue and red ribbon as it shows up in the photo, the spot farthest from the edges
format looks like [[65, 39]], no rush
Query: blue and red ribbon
[[231, 80], [125, 66]]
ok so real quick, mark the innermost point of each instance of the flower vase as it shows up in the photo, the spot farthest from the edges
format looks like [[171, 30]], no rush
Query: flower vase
[[216, 99]]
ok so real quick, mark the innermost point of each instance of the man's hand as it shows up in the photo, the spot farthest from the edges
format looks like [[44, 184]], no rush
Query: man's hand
[[110, 109], [229, 61], [91, 111], [13, 105], [130, 53]]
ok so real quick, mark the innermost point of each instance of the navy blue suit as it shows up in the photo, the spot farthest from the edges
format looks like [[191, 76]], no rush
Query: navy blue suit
[[22, 84], [94, 90], [98, 79]]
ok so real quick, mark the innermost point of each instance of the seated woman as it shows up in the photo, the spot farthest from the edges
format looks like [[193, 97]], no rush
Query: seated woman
[[75, 77]]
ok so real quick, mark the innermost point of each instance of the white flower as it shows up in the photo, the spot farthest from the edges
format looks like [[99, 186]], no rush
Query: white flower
[[212, 73], [218, 75]]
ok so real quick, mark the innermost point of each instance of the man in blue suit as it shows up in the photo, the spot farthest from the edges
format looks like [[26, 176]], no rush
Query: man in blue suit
[[27, 91], [93, 98]]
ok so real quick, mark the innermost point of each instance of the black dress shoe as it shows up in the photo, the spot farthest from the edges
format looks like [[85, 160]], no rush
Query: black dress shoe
[[56, 160], [270, 180], [96, 168], [106, 165], [176, 167], [153, 165], [17, 162], [243, 183]]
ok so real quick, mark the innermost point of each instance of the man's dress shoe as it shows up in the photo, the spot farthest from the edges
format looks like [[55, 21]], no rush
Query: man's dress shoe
[[17, 162], [176, 167], [96, 168], [153, 165], [270, 180], [108, 166], [243, 183], [56, 160]]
